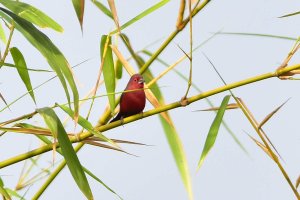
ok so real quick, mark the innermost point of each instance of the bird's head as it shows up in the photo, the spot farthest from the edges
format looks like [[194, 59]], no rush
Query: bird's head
[[137, 81]]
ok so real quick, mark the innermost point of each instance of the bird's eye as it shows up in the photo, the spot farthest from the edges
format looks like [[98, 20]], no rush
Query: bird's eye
[[135, 80]]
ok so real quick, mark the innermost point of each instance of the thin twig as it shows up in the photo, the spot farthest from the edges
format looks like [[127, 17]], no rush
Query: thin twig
[[287, 59], [180, 14], [191, 51], [11, 32]]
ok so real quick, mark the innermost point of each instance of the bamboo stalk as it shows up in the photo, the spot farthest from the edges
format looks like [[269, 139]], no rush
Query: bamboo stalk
[[149, 113], [172, 36]]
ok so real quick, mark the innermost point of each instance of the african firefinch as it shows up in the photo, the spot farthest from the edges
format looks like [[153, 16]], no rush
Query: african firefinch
[[132, 102]]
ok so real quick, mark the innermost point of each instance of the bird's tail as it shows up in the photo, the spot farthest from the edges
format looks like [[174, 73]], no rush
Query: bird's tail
[[118, 117]]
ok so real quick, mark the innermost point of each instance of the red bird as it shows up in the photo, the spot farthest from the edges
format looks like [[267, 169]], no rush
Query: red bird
[[133, 102]]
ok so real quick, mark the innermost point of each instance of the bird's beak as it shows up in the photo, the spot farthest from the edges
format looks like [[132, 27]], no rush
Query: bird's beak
[[141, 81]]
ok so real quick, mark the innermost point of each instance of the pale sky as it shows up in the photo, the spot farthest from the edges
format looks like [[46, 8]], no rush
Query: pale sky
[[227, 173]]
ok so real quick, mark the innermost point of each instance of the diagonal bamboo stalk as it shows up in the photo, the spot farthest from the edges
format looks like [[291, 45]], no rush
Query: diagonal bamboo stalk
[[149, 113], [172, 36]]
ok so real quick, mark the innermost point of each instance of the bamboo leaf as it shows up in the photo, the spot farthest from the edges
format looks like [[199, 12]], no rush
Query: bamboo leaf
[[228, 107], [53, 55], [213, 131], [32, 14], [113, 10], [116, 141], [263, 147], [101, 182], [108, 69], [26, 131], [254, 123], [30, 126], [266, 119], [173, 138], [56, 127], [2, 35], [22, 70], [103, 8], [258, 35], [13, 193], [119, 69], [98, 144], [290, 14], [3, 191], [87, 125], [142, 15], [79, 9], [28, 69], [47, 141]]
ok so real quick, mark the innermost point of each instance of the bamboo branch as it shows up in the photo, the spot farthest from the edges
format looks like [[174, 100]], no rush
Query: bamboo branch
[[11, 32], [149, 113], [53, 175], [262, 136], [172, 36]]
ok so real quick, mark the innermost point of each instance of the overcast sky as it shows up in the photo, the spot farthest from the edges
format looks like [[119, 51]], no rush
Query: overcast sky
[[227, 173]]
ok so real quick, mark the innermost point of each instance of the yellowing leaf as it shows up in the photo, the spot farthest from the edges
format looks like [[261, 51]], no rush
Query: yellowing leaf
[[79, 8]]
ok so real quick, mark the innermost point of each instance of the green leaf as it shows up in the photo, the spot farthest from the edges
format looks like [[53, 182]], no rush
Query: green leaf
[[97, 179], [28, 69], [3, 191], [178, 154], [2, 35], [119, 69], [168, 126], [108, 69], [87, 125], [213, 131], [79, 8], [103, 8], [142, 15], [32, 14], [173, 139], [291, 14], [258, 35], [22, 70], [54, 57], [56, 127], [14, 193]]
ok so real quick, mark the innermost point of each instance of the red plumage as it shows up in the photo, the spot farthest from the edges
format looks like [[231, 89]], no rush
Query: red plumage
[[132, 102]]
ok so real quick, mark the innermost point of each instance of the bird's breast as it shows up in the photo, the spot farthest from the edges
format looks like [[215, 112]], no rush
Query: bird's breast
[[133, 102]]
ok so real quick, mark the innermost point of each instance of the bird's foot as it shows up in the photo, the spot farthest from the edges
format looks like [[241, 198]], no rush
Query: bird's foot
[[142, 114]]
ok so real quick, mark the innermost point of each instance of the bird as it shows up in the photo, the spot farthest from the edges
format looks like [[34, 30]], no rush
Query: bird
[[132, 102]]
